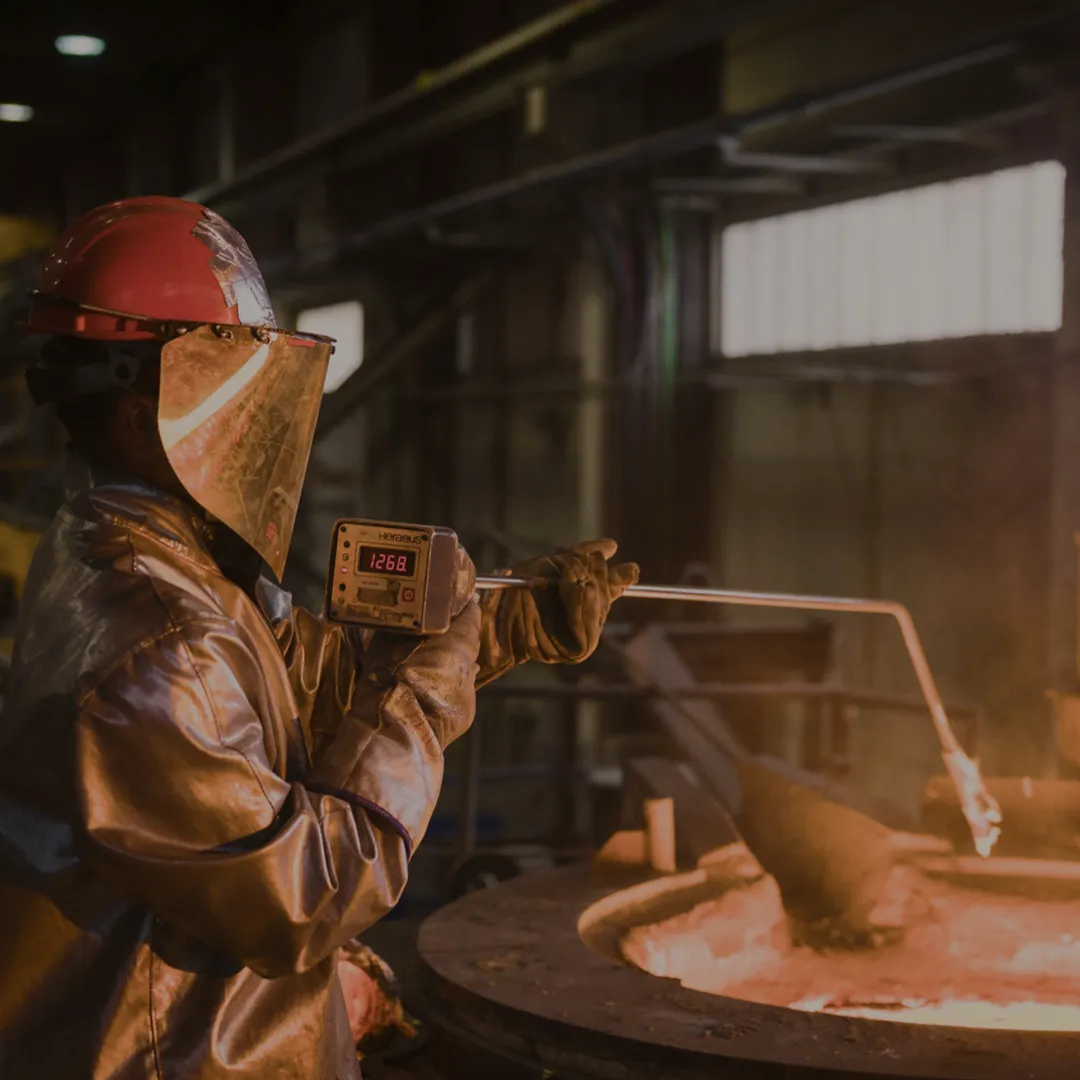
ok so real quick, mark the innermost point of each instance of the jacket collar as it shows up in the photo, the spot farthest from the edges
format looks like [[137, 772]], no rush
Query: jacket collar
[[103, 494], [132, 504]]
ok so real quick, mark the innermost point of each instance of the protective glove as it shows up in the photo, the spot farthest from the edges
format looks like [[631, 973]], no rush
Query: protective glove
[[556, 623], [432, 677]]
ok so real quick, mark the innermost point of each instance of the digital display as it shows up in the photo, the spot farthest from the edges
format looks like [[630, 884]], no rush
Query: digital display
[[374, 560]]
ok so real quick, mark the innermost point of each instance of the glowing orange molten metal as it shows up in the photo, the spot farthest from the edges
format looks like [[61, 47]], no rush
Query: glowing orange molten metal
[[980, 960]]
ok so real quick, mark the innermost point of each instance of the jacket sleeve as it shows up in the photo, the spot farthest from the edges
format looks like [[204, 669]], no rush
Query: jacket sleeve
[[181, 808], [322, 660]]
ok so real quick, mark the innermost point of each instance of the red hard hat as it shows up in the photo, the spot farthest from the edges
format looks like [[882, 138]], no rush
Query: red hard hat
[[160, 258]]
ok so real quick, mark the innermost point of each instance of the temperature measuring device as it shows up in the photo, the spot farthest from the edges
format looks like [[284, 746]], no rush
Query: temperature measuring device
[[392, 576]]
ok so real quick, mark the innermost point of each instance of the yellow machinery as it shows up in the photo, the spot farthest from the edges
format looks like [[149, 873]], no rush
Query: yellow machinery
[[20, 237], [17, 543]]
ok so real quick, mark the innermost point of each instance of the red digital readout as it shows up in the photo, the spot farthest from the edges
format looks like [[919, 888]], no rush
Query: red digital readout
[[391, 563], [373, 560]]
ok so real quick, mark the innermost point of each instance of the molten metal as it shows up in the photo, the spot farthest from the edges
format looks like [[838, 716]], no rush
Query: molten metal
[[1013, 1016], [981, 960]]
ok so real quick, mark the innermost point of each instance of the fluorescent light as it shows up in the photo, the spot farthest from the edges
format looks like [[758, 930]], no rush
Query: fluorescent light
[[344, 323], [10, 113], [80, 45]]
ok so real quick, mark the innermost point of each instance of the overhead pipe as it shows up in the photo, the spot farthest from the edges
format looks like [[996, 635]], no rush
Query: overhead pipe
[[805, 107]]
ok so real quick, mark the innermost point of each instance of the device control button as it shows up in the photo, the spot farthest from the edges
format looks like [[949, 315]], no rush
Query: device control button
[[408, 595]]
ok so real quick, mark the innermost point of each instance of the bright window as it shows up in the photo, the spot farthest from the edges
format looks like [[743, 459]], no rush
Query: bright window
[[976, 256], [345, 323]]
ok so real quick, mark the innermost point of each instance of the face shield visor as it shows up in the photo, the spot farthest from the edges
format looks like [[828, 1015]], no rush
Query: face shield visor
[[237, 409]]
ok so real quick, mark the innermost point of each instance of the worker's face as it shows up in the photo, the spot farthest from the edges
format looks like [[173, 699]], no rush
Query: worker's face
[[139, 446], [142, 454]]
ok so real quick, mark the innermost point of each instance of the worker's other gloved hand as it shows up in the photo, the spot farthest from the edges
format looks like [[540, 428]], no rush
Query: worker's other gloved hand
[[557, 623]]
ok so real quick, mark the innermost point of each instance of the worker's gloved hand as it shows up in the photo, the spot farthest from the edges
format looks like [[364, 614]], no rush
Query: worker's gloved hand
[[559, 621], [433, 676]]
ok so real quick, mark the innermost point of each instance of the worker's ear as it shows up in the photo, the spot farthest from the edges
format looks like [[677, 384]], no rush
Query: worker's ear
[[147, 419], [138, 417]]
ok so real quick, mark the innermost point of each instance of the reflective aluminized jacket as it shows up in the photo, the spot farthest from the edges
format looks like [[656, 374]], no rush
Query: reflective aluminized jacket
[[202, 796]]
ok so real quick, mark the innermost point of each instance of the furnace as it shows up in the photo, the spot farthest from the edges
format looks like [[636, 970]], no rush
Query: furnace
[[586, 974], [990, 951]]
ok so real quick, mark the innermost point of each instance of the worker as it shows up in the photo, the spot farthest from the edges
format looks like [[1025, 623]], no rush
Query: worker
[[206, 792]]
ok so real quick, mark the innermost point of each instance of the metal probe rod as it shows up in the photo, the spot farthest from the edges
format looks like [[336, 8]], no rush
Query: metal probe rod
[[980, 808]]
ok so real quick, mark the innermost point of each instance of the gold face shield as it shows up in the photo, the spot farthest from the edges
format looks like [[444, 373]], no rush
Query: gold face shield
[[237, 411]]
